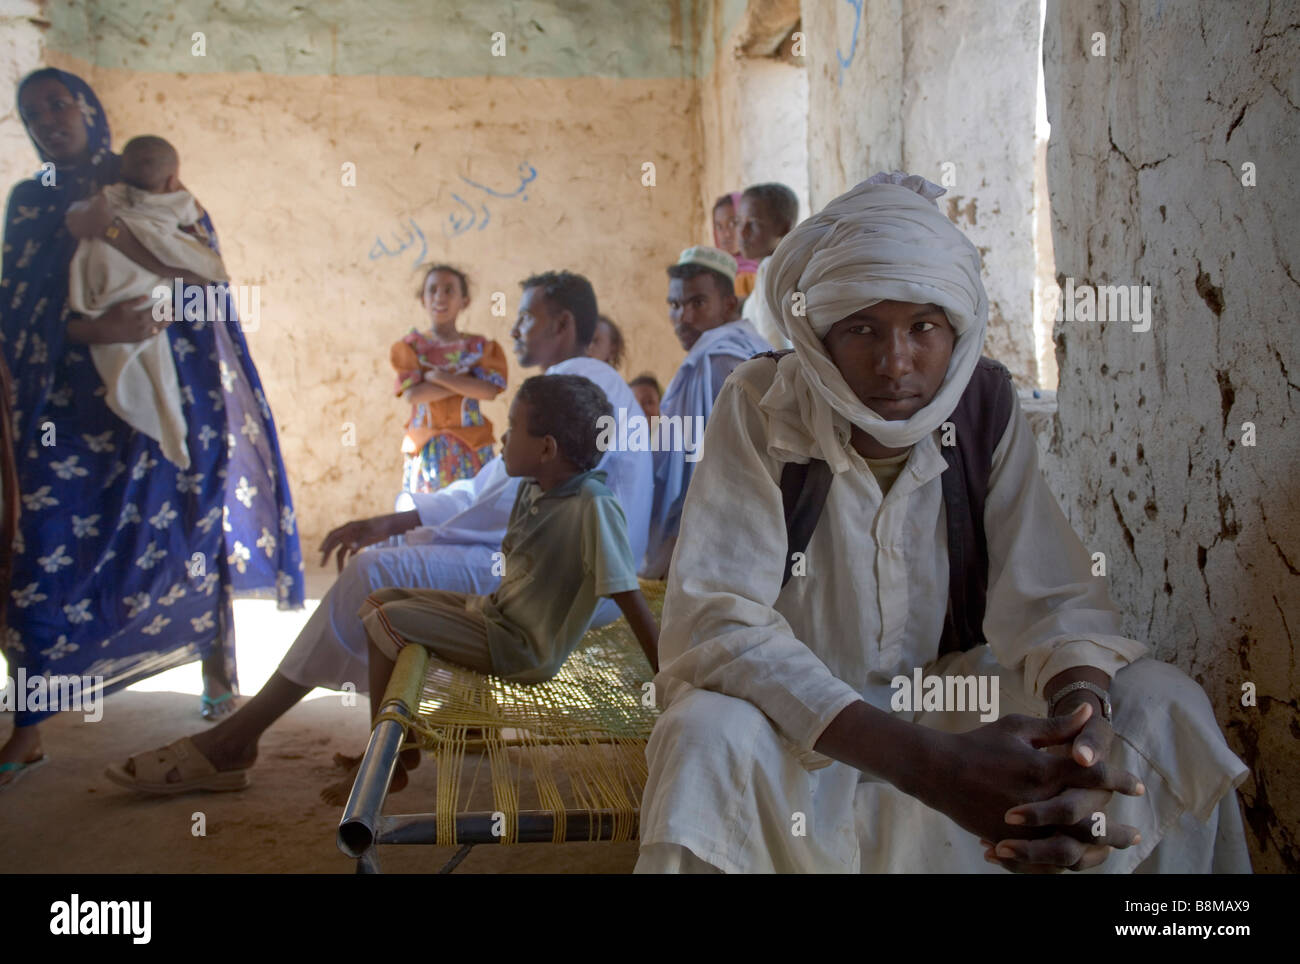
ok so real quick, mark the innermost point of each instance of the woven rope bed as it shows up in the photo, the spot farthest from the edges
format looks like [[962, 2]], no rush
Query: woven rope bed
[[564, 759]]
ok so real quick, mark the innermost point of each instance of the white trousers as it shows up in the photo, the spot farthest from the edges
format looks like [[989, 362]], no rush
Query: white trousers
[[331, 649], [723, 786]]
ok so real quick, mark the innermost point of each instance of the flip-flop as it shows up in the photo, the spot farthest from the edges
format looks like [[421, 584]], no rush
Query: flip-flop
[[195, 770], [209, 705], [19, 770]]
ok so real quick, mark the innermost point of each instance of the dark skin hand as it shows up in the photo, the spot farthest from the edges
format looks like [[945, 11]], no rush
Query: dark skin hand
[[427, 392], [642, 621], [1071, 844], [126, 321], [91, 218], [353, 536], [994, 769], [977, 778], [466, 385]]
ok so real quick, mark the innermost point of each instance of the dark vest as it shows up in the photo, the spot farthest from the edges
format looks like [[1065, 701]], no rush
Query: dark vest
[[980, 420]]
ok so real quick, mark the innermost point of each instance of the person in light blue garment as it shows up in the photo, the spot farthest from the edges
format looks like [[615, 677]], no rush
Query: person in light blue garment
[[451, 540], [125, 564], [701, 306]]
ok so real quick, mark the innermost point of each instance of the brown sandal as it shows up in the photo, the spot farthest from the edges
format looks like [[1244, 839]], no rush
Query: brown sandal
[[195, 770]]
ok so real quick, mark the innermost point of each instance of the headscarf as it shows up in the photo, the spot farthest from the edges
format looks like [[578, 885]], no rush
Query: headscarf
[[98, 136], [33, 307], [884, 240]]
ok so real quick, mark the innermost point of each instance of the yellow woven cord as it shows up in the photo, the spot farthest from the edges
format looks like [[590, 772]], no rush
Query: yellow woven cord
[[408, 673], [572, 744]]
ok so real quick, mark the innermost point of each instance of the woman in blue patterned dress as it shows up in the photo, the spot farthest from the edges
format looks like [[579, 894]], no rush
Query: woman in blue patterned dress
[[124, 565]]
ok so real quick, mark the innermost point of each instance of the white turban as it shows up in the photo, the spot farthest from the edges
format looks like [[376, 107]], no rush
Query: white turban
[[885, 240]]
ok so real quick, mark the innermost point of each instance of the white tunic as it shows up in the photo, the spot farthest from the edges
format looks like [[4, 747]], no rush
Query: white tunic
[[727, 775], [755, 310]]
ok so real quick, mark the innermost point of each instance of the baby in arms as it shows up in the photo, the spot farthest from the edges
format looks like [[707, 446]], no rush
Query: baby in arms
[[140, 377]]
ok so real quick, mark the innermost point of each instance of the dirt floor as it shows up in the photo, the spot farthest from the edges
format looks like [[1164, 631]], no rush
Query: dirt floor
[[278, 825]]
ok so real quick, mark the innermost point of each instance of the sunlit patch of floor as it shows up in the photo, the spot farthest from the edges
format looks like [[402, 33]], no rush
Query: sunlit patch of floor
[[263, 634]]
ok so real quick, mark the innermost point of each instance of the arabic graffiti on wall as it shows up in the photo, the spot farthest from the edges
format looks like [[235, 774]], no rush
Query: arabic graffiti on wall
[[469, 213]]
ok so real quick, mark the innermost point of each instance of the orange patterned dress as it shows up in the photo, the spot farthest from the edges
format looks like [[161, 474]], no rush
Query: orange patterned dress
[[448, 439]]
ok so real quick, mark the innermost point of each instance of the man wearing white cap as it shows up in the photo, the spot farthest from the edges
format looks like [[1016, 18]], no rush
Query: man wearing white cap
[[701, 306], [784, 744]]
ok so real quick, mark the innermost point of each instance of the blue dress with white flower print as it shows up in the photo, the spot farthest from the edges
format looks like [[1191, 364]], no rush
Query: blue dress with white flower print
[[124, 564]]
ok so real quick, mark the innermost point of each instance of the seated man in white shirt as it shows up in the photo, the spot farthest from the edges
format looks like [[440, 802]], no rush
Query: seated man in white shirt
[[801, 729], [463, 527], [701, 307]]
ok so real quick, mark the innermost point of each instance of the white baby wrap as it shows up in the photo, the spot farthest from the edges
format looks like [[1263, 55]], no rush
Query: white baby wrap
[[140, 377]]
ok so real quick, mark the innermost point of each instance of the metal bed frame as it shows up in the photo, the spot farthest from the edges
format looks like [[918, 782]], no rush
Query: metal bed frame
[[363, 827]]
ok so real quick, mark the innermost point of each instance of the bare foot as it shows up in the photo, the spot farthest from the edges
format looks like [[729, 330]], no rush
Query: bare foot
[[346, 761], [23, 746], [410, 758], [336, 794]]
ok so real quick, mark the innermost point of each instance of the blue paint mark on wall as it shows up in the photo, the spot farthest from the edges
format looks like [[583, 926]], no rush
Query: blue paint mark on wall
[[380, 250], [461, 219], [853, 47]]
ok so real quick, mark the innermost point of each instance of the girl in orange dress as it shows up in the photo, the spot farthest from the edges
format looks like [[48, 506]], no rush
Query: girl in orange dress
[[444, 374]]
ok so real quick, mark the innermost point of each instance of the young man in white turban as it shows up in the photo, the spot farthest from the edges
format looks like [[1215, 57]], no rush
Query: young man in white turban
[[784, 744], [701, 307]]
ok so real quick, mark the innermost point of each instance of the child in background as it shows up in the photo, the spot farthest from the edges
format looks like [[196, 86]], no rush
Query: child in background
[[607, 343], [565, 548], [140, 378], [726, 237], [767, 213], [444, 374], [647, 391]]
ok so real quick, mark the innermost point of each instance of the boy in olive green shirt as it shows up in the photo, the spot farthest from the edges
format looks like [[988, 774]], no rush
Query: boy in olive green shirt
[[565, 547]]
